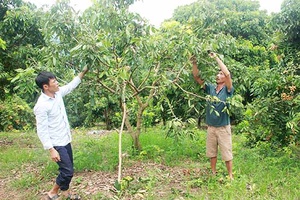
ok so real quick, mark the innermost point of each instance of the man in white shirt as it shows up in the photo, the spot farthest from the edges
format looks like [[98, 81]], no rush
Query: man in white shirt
[[53, 128]]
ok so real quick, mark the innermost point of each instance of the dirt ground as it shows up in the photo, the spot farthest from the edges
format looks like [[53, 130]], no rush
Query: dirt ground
[[145, 179], [148, 179]]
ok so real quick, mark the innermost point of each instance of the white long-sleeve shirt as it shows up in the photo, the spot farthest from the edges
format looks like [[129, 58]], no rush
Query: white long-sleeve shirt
[[52, 123]]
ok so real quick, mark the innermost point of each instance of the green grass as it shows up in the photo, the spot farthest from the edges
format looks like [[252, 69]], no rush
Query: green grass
[[260, 172]]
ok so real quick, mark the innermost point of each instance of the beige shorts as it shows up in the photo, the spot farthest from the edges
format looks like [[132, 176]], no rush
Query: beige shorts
[[219, 136]]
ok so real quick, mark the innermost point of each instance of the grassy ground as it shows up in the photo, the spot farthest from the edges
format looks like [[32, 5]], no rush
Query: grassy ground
[[165, 169]]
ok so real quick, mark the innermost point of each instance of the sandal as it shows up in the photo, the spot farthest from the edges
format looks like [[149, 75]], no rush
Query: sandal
[[73, 197], [52, 198]]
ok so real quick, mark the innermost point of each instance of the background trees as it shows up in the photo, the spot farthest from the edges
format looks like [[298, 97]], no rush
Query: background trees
[[261, 50], [20, 42], [260, 62]]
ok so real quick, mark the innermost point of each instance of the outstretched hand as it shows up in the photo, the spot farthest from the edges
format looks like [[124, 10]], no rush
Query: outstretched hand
[[193, 59], [212, 55], [83, 72], [85, 69]]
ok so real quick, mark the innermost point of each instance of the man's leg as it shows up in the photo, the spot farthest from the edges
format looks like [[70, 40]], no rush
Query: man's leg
[[213, 164], [68, 171], [225, 143], [229, 168], [65, 167], [212, 147]]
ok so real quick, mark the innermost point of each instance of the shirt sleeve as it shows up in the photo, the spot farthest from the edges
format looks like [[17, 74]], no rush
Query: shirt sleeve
[[42, 126], [207, 88], [231, 91], [66, 89]]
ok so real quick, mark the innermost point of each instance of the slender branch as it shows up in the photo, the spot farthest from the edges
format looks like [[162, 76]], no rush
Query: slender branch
[[106, 87], [190, 93], [146, 78], [120, 133], [116, 58], [146, 87], [103, 63], [131, 84], [177, 77], [152, 91]]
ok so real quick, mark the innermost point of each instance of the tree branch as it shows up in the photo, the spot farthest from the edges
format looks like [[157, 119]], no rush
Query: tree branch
[[190, 93]]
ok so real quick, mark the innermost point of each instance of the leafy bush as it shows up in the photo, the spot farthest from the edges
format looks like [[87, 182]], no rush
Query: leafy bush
[[178, 130], [15, 114], [274, 114]]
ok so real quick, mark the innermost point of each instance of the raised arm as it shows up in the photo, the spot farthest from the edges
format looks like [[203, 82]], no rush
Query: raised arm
[[66, 89], [223, 68], [196, 72]]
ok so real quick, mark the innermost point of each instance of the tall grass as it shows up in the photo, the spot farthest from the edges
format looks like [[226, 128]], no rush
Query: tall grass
[[260, 172]]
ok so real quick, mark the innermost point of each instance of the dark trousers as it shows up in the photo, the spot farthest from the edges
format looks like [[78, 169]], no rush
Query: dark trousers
[[66, 169]]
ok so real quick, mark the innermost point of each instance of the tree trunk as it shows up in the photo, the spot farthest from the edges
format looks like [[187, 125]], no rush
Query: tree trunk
[[136, 141], [135, 134]]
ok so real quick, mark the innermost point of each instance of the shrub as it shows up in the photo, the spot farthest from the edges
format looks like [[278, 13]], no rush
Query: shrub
[[15, 114], [273, 115]]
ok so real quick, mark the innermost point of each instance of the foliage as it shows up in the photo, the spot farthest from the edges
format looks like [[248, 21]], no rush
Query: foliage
[[24, 86], [178, 130], [8, 4], [20, 30], [253, 58], [239, 18], [117, 4], [267, 117], [124, 44], [289, 18], [154, 63], [287, 37], [60, 30], [2, 44], [15, 114]]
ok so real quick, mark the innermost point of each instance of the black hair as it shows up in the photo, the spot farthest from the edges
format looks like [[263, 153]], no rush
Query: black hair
[[44, 78]]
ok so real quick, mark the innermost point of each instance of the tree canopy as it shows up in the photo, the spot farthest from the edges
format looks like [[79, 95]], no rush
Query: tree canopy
[[153, 64]]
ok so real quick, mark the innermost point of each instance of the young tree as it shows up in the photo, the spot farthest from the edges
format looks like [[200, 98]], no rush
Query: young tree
[[125, 49]]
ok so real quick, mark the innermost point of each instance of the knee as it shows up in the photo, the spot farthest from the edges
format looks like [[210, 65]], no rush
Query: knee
[[67, 173], [70, 173]]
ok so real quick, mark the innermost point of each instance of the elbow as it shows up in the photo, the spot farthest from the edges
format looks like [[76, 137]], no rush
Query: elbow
[[227, 74]]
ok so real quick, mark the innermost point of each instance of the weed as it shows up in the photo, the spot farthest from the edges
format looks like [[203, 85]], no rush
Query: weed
[[165, 169]]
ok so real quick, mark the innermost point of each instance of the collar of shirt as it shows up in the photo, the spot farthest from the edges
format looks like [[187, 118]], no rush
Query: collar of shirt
[[46, 97]]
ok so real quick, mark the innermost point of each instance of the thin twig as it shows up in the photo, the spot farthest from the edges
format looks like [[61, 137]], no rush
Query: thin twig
[[190, 93]]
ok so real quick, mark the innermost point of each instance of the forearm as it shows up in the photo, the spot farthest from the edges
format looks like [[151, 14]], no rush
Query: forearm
[[222, 66], [195, 72], [224, 69], [81, 74]]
